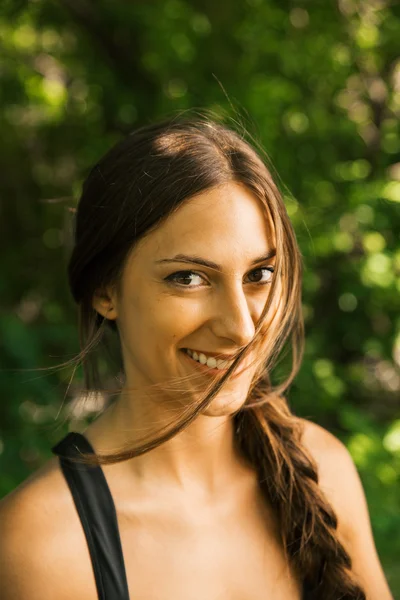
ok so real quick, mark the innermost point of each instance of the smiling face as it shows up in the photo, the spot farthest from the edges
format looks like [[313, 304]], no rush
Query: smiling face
[[161, 311]]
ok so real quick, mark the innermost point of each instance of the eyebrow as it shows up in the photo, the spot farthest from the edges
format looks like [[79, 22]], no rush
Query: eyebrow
[[185, 258]]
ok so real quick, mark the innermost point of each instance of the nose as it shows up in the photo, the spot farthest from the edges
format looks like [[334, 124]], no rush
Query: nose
[[235, 317]]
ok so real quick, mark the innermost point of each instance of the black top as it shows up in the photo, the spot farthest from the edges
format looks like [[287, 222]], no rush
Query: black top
[[96, 511]]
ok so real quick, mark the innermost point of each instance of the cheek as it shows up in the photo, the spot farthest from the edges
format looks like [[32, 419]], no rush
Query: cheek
[[276, 307], [166, 321], [273, 317], [137, 320]]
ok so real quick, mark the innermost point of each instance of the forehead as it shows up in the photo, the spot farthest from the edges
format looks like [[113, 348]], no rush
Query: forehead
[[228, 221]]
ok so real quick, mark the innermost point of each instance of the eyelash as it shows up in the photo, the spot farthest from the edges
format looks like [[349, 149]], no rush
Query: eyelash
[[171, 278]]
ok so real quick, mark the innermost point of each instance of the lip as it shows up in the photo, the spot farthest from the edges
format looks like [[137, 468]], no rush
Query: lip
[[201, 367], [214, 354], [206, 369]]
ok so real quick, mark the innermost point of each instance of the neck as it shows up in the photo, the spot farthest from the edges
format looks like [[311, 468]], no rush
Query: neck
[[201, 460]]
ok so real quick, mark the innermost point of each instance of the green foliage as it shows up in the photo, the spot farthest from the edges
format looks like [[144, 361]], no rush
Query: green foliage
[[317, 84]]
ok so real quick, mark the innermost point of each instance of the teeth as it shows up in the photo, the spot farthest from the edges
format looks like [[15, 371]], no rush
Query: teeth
[[202, 359], [210, 361]]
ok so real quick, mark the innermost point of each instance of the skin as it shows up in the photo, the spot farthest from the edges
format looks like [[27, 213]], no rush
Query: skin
[[193, 502], [210, 311]]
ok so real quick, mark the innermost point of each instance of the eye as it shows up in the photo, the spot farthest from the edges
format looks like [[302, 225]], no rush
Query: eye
[[183, 275], [269, 273], [187, 276]]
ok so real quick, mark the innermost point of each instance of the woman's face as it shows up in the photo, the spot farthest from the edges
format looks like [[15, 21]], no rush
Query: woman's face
[[161, 311]]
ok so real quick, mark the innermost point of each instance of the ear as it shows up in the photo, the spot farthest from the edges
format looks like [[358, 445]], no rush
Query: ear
[[104, 302]]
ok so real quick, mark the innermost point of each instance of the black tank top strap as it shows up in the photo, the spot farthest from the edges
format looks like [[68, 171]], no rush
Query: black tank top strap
[[97, 513]]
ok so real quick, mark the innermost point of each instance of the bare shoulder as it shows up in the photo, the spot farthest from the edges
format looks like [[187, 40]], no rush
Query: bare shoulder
[[335, 468], [41, 539], [337, 473], [320, 440], [340, 482], [36, 501]]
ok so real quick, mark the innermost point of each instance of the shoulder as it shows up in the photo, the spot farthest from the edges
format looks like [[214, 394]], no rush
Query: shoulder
[[338, 477], [35, 501], [329, 452], [40, 537], [341, 484], [337, 474], [318, 438]]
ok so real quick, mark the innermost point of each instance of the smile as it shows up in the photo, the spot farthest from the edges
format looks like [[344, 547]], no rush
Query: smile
[[209, 364]]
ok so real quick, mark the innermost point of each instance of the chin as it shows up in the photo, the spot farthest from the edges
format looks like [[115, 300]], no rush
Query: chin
[[223, 407]]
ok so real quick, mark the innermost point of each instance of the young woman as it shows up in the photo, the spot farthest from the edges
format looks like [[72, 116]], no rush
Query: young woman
[[197, 482]]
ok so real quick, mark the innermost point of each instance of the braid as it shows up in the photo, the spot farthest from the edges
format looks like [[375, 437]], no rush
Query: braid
[[269, 436]]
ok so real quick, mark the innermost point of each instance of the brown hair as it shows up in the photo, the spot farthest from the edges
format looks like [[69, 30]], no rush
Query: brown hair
[[128, 193]]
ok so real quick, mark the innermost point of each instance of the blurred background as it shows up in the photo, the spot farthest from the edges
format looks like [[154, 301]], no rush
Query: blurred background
[[318, 84]]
